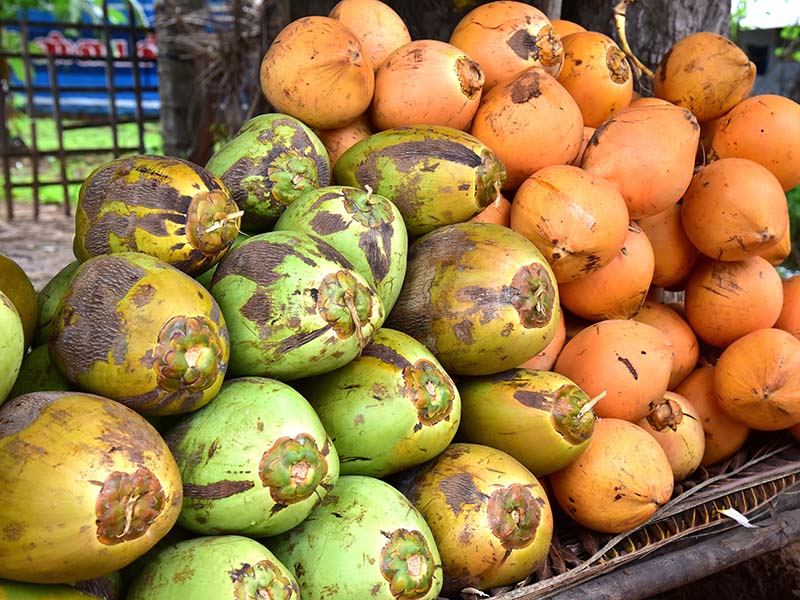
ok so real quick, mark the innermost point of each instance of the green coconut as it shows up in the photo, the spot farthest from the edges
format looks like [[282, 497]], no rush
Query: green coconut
[[267, 165], [137, 330], [12, 345], [88, 487], [163, 206], [490, 516], [37, 374], [365, 540], [267, 460], [48, 298], [15, 590], [366, 228], [17, 286], [435, 175], [541, 418], [294, 306], [480, 296], [211, 567], [390, 408]]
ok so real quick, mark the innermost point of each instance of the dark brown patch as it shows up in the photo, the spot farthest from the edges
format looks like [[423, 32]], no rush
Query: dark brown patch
[[386, 355], [533, 399], [143, 295], [325, 222], [19, 412], [217, 490], [526, 87], [299, 339], [463, 331], [376, 244], [628, 365], [523, 44], [258, 308], [257, 260], [458, 490]]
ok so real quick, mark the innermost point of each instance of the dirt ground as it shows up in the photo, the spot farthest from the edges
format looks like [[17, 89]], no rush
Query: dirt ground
[[44, 247]]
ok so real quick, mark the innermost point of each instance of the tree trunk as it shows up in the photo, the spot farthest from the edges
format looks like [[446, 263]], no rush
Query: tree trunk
[[652, 25]]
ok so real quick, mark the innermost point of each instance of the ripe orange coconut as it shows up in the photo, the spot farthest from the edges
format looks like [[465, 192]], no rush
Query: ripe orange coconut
[[508, 37], [706, 73], [577, 220], [618, 289], [498, 212], [764, 128], [565, 27], [553, 125], [734, 208], [379, 29], [757, 379], [316, 71], [724, 435], [618, 482], [725, 300], [648, 152], [588, 132], [629, 360], [426, 82], [684, 341], [676, 425], [336, 141], [674, 254], [789, 319], [596, 74], [545, 360]]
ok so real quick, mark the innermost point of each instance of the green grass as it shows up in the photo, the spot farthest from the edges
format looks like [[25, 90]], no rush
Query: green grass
[[77, 166]]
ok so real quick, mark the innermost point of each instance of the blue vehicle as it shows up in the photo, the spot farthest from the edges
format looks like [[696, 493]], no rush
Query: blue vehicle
[[79, 54]]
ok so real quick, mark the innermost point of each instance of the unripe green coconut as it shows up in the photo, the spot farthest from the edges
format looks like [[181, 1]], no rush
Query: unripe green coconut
[[15, 590], [37, 374], [294, 306], [541, 418], [163, 206], [137, 330], [435, 175], [365, 541], [366, 228], [267, 460], [48, 298], [268, 164], [214, 567], [12, 345], [390, 408], [88, 486], [480, 296]]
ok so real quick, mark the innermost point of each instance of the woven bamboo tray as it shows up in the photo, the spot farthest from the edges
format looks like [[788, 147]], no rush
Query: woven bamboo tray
[[686, 539]]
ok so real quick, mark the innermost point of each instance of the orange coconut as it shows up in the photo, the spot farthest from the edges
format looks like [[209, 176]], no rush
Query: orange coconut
[[379, 29], [618, 289], [553, 127], [630, 361], [684, 341], [577, 220], [565, 27], [336, 141], [316, 71], [499, 211], [675, 255], [508, 37], [426, 82], [725, 300], [757, 379], [618, 482], [596, 74], [764, 128], [724, 435], [734, 208], [588, 132], [546, 358], [706, 73], [648, 153], [676, 425], [789, 319]]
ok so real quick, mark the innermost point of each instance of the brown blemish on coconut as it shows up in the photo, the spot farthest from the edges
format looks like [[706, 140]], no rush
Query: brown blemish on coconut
[[533, 399], [19, 412], [385, 354], [217, 490], [526, 87], [460, 490]]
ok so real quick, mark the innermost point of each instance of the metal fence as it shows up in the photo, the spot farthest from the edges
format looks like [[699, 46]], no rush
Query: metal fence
[[41, 77]]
